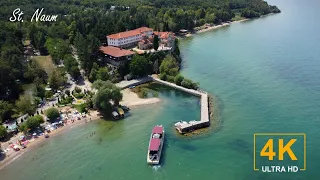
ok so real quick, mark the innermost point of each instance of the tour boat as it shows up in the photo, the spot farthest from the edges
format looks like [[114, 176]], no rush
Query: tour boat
[[155, 145]]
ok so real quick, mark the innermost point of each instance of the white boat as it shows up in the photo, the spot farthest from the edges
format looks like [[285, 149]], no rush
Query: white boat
[[155, 145]]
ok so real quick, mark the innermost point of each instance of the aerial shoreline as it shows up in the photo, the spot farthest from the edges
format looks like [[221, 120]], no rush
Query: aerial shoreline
[[213, 27], [130, 99]]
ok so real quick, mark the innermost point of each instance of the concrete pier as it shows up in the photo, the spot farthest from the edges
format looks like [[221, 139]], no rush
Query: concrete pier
[[134, 82], [182, 127], [192, 125]]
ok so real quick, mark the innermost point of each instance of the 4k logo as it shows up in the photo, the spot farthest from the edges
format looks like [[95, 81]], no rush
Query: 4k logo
[[279, 152], [282, 150]]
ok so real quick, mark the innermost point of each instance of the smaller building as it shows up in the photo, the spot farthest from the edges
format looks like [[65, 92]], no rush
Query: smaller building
[[166, 39], [145, 43], [114, 56]]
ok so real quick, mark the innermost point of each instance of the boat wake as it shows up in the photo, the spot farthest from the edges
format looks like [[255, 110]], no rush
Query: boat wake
[[156, 167]]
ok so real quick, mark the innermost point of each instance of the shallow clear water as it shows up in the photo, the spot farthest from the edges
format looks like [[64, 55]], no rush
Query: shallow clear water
[[265, 74]]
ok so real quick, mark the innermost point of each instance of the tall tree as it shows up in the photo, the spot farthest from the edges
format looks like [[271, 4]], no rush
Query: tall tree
[[56, 80], [6, 111], [25, 104], [107, 92], [139, 65], [156, 42]]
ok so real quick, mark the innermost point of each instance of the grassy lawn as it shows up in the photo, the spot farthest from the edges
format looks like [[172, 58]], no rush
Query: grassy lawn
[[145, 91], [46, 63]]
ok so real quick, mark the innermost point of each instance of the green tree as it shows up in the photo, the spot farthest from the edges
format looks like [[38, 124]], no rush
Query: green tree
[[67, 92], [56, 80], [103, 74], [3, 132], [93, 72], [187, 83], [139, 65], [75, 72], [107, 92], [178, 79], [48, 94], [25, 105], [169, 66], [6, 110], [71, 66], [83, 108], [31, 123], [52, 114], [156, 42], [57, 48]]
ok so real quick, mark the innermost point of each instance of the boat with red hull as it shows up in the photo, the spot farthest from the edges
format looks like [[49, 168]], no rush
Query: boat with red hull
[[155, 145]]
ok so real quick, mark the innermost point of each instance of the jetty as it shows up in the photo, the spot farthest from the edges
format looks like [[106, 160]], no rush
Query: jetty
[[181, 126], [134, 82]]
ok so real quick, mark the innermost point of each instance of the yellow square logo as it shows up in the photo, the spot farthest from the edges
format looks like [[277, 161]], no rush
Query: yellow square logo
[[279, 152]]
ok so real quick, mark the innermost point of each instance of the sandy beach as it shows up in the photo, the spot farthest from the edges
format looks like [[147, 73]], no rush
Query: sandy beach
[[12, 155], [215, 27], [132, 100]]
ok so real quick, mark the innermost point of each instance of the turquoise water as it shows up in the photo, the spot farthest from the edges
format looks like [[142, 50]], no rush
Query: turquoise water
[[265, 75]]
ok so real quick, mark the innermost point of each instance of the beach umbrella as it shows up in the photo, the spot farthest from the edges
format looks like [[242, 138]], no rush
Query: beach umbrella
[[34, 134]]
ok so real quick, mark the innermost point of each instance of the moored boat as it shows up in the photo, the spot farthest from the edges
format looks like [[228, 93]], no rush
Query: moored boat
[[155, 145]]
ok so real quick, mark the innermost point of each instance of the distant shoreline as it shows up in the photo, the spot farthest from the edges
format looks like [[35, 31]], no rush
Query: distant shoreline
[[212, 28]]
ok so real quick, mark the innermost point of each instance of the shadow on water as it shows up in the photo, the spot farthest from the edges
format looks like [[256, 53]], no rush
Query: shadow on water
[[163, 153]]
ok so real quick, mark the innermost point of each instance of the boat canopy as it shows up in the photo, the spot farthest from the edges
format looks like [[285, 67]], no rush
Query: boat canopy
[[157, 129], [114, 113], [154, 145]]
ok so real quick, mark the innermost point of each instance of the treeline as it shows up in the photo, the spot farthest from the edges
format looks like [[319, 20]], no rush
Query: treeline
[[82, 26], [85, 24]]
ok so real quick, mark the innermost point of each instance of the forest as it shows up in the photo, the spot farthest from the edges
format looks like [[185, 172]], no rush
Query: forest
[[82, 26]]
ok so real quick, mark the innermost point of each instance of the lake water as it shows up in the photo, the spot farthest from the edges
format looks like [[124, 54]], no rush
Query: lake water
[[265, 75]]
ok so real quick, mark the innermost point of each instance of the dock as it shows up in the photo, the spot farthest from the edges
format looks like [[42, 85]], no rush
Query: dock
[[182, 127], [204, 119], [134, 82]]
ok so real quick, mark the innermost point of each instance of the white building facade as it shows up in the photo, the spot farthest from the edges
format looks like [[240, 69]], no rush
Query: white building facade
[[128, 38]]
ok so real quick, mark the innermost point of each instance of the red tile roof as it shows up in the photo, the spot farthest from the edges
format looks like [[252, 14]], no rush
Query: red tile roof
[[115, 52], [158, 33], [154, 144], [129, 33], [144, 29], [157, 129], [163, 35]]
